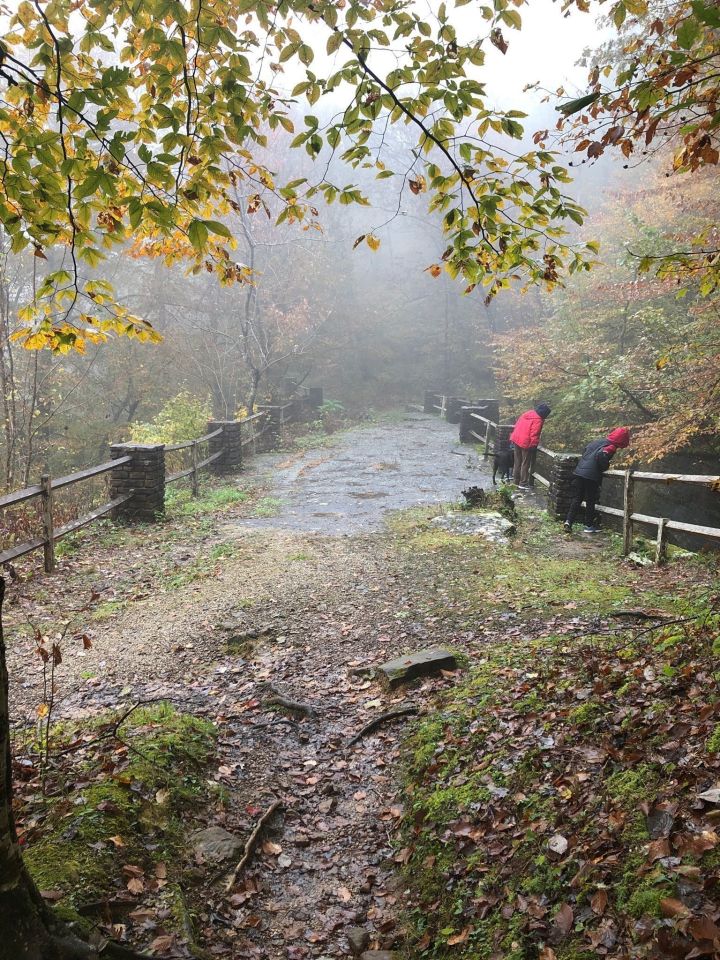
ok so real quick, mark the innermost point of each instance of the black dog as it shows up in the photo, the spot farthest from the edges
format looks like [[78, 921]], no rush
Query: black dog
[[503, 461]]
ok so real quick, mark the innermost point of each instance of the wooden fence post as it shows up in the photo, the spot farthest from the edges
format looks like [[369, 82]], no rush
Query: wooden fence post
[[46, 500], [661, 542], [486, 451], [194, 475], [628, 509]]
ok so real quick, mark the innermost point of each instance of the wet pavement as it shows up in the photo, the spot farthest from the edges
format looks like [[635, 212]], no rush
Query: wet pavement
[[349, 487]]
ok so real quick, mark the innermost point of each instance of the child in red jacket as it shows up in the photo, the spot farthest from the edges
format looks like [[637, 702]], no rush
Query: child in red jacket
[[526, 437]]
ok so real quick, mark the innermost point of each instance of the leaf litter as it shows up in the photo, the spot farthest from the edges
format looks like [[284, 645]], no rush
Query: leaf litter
[[348, 846]]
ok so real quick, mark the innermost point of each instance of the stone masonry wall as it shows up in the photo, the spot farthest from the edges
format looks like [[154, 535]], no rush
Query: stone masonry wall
[[229, 443], [144, 476]]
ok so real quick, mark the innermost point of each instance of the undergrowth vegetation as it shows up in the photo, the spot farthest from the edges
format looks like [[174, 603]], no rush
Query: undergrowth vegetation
[[111, 825], [555, 803]]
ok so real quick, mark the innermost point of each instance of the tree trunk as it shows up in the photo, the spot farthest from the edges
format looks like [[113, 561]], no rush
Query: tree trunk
[[28, 928]]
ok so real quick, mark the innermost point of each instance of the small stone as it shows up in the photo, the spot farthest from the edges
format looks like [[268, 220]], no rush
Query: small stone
[[424, 663], [215, 844], [361, 672], [358, 938], [379, 955]]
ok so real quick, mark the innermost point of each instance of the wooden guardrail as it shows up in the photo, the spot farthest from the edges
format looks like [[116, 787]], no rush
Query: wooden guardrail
[[44, 491], [196, 465], [627, 514], [270, 417]]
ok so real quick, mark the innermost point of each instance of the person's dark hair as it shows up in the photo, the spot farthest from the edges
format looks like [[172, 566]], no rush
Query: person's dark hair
[[542, 410]]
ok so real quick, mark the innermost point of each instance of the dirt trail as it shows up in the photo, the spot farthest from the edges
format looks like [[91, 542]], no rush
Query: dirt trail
[[323, 587]]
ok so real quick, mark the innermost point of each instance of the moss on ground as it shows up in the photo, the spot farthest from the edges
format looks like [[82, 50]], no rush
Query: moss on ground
[[128, 803], [480, 576]]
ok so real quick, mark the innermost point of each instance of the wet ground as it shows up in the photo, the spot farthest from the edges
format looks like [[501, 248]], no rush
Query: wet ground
[[326, 594], [349, 487]]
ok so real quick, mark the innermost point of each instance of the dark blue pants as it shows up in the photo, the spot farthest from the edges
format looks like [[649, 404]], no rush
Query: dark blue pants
[[587, 490]]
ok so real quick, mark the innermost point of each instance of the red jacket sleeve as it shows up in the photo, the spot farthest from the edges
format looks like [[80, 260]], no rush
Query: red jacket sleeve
[[535, 429]]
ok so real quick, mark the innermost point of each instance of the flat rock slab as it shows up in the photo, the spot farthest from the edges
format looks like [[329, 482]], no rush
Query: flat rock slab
[[358, 938], [380, 955], [215, 844], [424, 663], [489, 524]]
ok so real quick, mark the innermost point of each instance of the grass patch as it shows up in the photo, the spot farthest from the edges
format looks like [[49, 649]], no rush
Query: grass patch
[[108, 609], [530, 574], [268, 507], [181, 503]]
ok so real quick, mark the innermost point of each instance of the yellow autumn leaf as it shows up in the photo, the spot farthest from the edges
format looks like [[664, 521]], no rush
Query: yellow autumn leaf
[[372, 241]]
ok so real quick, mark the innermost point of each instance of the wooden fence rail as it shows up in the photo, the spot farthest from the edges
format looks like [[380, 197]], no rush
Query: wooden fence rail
[[268, 419], [44, 490], [627, 514]]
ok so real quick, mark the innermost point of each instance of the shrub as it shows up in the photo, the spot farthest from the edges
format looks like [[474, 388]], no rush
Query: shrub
[[184, 417]]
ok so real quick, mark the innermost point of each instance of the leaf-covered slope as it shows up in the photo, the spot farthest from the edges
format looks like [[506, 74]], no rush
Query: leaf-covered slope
[[558, 804]]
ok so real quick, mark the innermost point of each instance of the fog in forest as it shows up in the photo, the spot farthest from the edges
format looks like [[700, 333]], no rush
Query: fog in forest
[[357, 300]]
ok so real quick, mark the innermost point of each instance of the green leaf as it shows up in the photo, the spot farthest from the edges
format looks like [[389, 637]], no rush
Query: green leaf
[[198, 234], [214, 226], [575, 106], [334, 42], [688, 33]]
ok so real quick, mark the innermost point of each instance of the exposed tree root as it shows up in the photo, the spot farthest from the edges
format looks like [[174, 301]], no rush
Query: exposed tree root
[[273, 697], [383, 718], [251, 844]]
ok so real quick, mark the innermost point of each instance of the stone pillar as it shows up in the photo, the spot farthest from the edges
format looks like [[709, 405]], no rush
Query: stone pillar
[[502, 437], [467, 423], [272, 433], [429, 401], [229, 443], [491, 411], [144, 476], [453, 406], [315, 397], [559, 495]]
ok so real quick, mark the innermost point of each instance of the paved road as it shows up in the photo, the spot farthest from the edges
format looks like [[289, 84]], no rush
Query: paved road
[[349, 487]]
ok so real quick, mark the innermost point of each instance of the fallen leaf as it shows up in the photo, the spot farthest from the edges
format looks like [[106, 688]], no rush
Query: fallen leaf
[[711, 796], [670, 907], [558, 844], [598, 902], [562, 921], [461, 937]]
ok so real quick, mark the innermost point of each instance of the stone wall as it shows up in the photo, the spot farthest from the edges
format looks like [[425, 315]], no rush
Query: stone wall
[[559, 495]]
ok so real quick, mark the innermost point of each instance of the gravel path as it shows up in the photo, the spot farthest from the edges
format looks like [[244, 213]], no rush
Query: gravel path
[[351, 486]]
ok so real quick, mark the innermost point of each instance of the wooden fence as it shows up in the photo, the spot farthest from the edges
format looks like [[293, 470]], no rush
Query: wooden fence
[[195, 454], [45, 491], [557, 472]]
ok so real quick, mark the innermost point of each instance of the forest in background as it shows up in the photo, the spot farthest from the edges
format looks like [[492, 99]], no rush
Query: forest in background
[[376, 328], [368, 300]]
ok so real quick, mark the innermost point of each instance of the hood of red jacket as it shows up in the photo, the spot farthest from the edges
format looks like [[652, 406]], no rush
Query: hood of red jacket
[[620, 437]]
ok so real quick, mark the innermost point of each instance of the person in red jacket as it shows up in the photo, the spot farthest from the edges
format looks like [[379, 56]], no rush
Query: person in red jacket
[[525, 438]]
